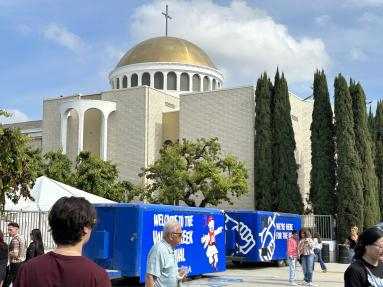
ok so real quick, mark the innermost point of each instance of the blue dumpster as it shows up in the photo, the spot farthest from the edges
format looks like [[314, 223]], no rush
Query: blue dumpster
[[124, 234], [258, 236]]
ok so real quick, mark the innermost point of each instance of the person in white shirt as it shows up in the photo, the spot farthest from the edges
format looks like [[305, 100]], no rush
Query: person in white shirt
[[318, 251]]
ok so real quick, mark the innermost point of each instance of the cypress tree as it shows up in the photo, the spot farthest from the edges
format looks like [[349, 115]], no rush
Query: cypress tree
[[285, 176], [349, 189], [379, 152], [263, 145], [371, 125], [363, 142], [322, 177]]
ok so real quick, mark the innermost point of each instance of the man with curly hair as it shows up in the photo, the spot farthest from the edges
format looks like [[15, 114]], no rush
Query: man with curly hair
[[71, 220]]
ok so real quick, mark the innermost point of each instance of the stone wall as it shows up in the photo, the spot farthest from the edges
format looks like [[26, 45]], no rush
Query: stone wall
[[229, 115]]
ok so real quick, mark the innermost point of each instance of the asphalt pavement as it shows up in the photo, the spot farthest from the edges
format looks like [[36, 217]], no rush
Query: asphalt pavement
[[261, 275], [267, 275]]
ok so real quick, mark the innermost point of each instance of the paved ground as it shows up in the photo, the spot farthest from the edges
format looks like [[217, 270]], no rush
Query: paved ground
[[262, 275]]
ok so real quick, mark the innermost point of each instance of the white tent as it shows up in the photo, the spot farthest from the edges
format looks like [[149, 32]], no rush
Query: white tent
[[46, 192]]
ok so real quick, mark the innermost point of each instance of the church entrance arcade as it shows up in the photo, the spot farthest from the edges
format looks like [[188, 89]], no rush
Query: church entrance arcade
[[89, 119]]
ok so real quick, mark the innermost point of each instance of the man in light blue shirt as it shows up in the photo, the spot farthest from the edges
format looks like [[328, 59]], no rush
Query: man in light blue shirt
[[161, 266]]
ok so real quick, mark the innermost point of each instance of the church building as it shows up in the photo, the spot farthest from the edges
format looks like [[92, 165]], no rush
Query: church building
[[164, 89]]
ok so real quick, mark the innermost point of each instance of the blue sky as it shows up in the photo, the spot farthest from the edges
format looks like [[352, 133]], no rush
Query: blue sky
[[53, 48]]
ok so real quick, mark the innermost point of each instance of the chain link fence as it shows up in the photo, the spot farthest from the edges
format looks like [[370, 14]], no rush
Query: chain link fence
[[28, 220]]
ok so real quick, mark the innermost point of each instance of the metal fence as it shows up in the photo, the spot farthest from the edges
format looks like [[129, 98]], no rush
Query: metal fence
[[28, 220], [323, 224]]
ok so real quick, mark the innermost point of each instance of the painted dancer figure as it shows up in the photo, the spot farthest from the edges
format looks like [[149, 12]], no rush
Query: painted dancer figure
[[210, 243]]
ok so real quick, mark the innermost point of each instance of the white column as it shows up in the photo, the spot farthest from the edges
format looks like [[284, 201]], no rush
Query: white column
[[201, 83], [165, 80], [139, 75], [151, 79], [190, 82], [64, 130], [80, 131], [178, 79], [104, 136]]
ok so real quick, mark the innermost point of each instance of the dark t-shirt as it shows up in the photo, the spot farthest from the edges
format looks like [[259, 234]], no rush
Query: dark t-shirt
[[352, 242], [357, 275], [56, 270]]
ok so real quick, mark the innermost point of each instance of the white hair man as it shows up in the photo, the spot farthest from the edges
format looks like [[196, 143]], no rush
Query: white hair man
[[161, 266]]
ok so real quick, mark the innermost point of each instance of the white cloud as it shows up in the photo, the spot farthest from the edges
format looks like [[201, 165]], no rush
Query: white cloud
[[16, 117], [242, 41], [357, 55], [63, 37], [322, 20]]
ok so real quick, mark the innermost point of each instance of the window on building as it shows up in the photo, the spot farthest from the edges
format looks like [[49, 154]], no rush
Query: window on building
[[172, 81], [159, 80], [206, 83], [196, 83], [146, 79], [134, 80], [117, 83], [184, 82], [125, 82]]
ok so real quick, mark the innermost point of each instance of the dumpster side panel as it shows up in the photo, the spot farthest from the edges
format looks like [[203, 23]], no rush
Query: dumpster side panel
[[198, 253], [119, 224], [260, 235], [95, 246], [127, 248], [273, 231], [241, 227]]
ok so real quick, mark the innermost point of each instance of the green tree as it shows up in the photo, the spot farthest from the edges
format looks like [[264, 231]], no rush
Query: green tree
[[263, 171], [379, 152], [322, 177], [99, 177], [285, 176], [349, 188], [363, 144], [19, 165], [188, 171], [58, 166], [371, 125]]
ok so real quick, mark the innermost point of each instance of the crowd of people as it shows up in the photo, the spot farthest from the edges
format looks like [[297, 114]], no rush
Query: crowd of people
[[16, 252], [71, 221], [365, 254]]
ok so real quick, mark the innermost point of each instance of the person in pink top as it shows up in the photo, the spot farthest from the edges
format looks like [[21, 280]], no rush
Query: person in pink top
[[292, 255]]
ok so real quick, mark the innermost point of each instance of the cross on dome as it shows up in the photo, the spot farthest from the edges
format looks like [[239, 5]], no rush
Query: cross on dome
[[167, 16]]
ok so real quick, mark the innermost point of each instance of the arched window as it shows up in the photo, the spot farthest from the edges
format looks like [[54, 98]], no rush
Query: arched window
[[125, 82], [196, 83], [134, 80], [213, 83], [112, 85], [184, 82], [219, 84], [206, 83], [146, 79], [117, 83], [159, 80], [172, 81]]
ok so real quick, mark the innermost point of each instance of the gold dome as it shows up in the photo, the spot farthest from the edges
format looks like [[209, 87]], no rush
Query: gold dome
[[166, 49]]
